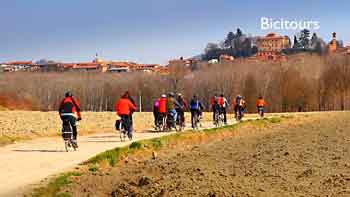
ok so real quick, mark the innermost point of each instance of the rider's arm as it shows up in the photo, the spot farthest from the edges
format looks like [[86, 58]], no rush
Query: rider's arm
[[132, 106], [77, 107]]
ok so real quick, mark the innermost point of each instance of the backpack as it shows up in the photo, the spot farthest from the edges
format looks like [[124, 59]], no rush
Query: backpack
[[194, 105], [117, 124]]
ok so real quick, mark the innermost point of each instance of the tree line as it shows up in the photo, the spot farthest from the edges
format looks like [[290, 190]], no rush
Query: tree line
[[305, 82]]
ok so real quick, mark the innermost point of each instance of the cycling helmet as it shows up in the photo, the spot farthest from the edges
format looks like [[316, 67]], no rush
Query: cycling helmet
[[179, 95], [68, 94], [171, 94], [163, 96]]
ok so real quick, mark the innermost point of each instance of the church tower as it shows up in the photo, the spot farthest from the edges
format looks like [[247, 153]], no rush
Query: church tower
[[332, 46]]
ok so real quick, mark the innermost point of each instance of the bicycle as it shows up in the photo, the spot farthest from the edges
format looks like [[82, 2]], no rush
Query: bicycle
[[180, 122], [123, 133], [171, 123], [67, 135], [162, 123], [239, 114], [261, 111], [196, 121], [219, 119]]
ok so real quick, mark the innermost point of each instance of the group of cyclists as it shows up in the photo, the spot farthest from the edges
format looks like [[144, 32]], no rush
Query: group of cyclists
[[168, 110]]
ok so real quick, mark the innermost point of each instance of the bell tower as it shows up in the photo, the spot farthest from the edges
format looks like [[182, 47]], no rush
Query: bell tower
[[332, 46]]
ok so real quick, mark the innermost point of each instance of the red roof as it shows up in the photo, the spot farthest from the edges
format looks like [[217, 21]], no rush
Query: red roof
[[68, 65], [20, 63], [87, 65], [122, 64]]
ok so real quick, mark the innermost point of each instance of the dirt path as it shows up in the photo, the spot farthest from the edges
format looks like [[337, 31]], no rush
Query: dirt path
[[27, 163]]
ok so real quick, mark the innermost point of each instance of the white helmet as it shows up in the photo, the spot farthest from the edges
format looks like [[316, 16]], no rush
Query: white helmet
[[163, 96]]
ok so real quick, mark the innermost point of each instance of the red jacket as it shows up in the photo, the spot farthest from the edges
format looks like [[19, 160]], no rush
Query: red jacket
[[69, 105], [162, 105], [221, 101], [124, 106], [260, 103]]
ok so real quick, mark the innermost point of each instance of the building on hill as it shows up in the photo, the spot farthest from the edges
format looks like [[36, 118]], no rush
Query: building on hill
[[17, 66], [190, 62], [334, 46], [226, 58], [270, 46], [96, 67]]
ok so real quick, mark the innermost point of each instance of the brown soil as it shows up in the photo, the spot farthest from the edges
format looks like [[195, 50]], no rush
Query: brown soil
[[304, 156]]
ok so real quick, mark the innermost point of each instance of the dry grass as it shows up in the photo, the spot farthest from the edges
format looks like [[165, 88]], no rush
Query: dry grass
[[19, 125]]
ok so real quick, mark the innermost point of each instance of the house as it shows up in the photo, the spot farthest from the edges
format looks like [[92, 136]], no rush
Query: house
[[226, 58], [118, 69], [90, 66], [17, 66], [270, 46]]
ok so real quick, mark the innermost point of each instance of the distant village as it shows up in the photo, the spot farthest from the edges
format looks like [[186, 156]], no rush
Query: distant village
[[271, 47]]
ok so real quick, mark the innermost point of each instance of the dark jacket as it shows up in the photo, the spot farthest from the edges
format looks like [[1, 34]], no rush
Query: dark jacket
[[69, 105]]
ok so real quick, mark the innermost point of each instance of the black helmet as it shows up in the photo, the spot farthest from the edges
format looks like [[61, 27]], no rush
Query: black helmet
[[68, 94]]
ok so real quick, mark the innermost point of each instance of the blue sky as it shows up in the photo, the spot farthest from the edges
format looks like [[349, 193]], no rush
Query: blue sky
[[147, 31]]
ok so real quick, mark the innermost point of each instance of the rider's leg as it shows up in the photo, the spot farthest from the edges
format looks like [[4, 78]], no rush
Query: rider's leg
[[183, 118], [131, 122], [224, 112], [73, 121], [213, 114], [127, 123], [192, 118], [174, 114], [155, 115]]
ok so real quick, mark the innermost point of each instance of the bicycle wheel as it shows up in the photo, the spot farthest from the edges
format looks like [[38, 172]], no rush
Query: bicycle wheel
[[216, 120], [122, 131], [195, 121], [74, 145], [66, 145]]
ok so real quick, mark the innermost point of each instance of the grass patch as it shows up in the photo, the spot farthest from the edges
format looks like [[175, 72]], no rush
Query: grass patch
[[274, 120], [112, 156], [55, 185], [5, 140], [93, 168], [135, 146]]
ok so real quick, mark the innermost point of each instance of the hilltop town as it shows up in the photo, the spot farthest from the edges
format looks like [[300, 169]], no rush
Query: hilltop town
[[272, 47]]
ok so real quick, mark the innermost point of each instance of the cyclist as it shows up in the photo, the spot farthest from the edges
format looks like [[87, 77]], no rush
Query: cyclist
[[124, 108], [162, 109], [260, 104], [180, 109], [68, 110], [239, 105], [156, 113], [223, 105], [216, 109], [213, 100], [171, 105], [196, 108]]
